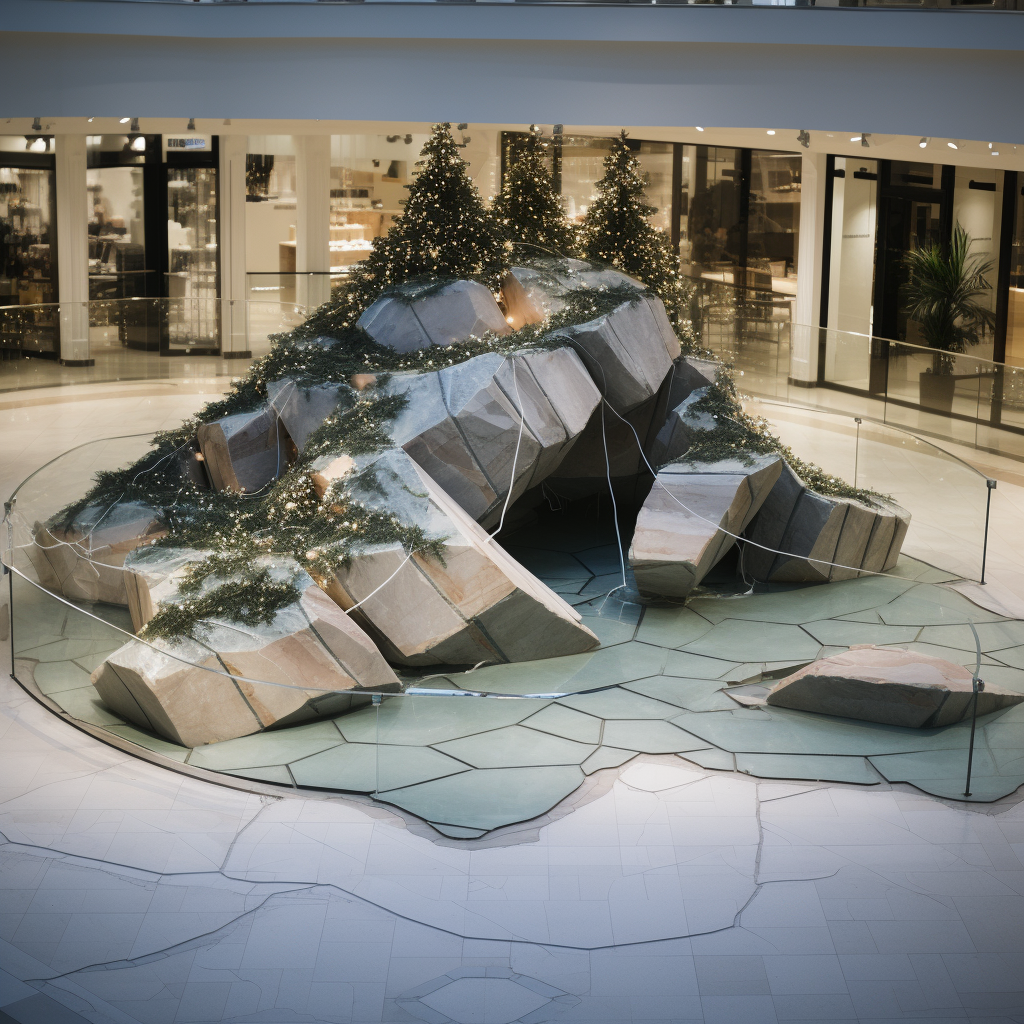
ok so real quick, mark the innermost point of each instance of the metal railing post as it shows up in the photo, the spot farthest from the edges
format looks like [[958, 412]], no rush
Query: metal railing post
[[991, 485]]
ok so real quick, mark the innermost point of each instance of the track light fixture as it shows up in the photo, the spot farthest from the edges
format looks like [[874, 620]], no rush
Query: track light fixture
[[191, 127], [463, 126], [923, 143], [804, 138], [37, 125], [557, 129], [134, 126]]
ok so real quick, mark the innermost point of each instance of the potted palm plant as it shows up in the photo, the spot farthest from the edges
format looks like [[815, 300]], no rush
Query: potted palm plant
[[943, 293]]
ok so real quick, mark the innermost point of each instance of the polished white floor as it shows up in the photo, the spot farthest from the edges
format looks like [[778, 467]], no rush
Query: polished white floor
[[657, 893]]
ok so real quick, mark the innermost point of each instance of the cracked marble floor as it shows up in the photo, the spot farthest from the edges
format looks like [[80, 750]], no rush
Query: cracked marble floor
[[663, 891]]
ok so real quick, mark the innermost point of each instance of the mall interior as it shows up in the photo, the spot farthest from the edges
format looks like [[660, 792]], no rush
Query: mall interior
[[544, 643]]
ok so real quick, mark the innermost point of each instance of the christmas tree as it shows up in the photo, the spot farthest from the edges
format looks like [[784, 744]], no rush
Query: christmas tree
[[529, 210], [616, 231], [444, 232]]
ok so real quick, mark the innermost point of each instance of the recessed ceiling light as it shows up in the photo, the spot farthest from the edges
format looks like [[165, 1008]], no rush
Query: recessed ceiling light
[[952, 145], [771, 131], [699, 128], [923, 143], [124, 120], [855, 138]]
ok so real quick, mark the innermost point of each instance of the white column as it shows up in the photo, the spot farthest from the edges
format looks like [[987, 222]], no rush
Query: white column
[[233, 292], [72, 249], [313, 217], [803, 364]]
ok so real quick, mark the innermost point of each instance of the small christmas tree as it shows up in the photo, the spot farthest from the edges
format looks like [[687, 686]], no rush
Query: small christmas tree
[[616, 231], [529, 210], [444, 232]]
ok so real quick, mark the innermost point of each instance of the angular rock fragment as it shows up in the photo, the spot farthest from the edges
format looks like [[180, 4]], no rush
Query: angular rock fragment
[[302, 410], [477, 605], [85, 561], [532, 294], [310, 661], [815, 531], [891, 686], [628, 351], [462, 424], [674, 547], [243, 452], [681, 428], [412, 316]]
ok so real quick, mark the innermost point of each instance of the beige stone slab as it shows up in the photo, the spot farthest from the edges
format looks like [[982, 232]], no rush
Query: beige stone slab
[[243, 452]]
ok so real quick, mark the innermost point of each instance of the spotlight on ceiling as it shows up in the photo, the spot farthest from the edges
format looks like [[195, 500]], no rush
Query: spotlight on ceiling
[[771, 131], [923, 143], [952, 145], [408, 140], [698, 127], [124, 120], [535, 129], [139, 144], [804, 138], [191, 126], [38, 145], [90, 119], [37, 125]]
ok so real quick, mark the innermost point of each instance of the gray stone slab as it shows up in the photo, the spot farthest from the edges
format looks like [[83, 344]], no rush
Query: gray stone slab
[[618, 703], [750, 640], [649, 737], [606, 757], [422, 720], [822, 767], [266, 748], [516, 747], [303, 410], [488, 798], [563, 721], [552, 675], [243, 452], [370, 767], [681, 428], [86, 706]]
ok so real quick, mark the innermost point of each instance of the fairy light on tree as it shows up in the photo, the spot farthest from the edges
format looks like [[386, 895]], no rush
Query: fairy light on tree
[[616, 231], [528, 209]]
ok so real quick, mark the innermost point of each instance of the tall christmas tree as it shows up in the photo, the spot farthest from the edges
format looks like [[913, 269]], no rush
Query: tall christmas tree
[[616, 231], [445, 231], [529, 210]]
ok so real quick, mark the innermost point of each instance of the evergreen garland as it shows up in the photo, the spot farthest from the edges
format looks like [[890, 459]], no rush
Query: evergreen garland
[[528, 209], [616, 231]]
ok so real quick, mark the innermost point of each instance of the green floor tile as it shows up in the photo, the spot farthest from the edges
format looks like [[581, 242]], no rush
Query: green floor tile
[[869, 616], [276, 746], [672, 627], [421, 720], [807, 604], [994, 636], [457, 832], [751, 640], [1012, 657], [84, 705], [516, 747], [610, 632], [367, 767], [549, 565], [821, 767], [692, 694], [781, 731], [928, 605], [618, 703], [696, 666], [606, 757], [272, 773], [838, 632], [912, 569], [952, 654], [1011, 678], [146, 739], [488, 798], [649, 737], [944, 773], [601, 560], [711, 757], [562, 721], [54, 676], [552, 675]]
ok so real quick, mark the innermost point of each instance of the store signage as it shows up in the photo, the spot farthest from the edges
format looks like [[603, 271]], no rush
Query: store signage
[[186, 143]]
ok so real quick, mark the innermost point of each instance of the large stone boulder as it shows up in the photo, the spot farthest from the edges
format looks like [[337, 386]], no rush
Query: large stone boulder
[[311, 660], [476, 605], [243, 452], [462, 424], [690, 519], [301, 410], [681, 429], [532, 294], [415, 316], [84, 561], [822, 538], [888, 685], [628, 351]]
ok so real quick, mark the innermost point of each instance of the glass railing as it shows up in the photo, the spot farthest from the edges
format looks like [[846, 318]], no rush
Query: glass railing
[[308, 289], [472, 750], [955, 5], [128, 339]]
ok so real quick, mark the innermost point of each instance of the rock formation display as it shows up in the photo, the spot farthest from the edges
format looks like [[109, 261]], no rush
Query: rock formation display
[[823, 538], [474, 604], [308, 661], [243, 452], [692, 517], [411, 317], [891, 686]]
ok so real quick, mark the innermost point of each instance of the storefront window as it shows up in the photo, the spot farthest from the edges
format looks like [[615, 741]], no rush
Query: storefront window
[[1015, 305], [270, 205], [192, 257], [711, 199], [978, 209], [773, 224], [27, 269]]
